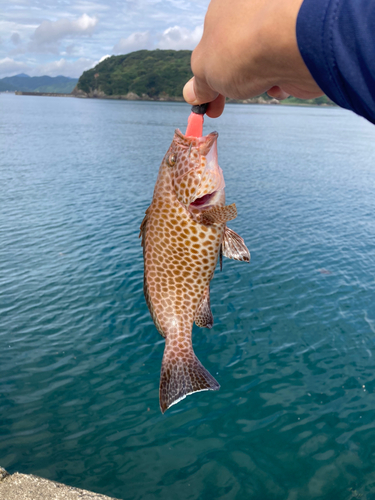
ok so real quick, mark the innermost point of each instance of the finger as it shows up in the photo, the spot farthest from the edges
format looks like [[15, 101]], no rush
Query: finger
[[216, 107], [189, 92], [277, 93], [198, 92]]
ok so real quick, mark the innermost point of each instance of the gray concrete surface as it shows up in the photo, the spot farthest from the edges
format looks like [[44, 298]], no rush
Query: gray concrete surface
[[28, 487]]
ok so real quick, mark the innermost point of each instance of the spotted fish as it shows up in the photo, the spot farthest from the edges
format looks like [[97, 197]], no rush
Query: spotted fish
[[183, 234]]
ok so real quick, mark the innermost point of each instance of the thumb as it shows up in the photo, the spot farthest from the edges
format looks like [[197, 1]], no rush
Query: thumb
[[197, 91]]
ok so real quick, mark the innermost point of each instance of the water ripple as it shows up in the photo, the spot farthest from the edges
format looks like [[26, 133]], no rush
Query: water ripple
[[293, 341]]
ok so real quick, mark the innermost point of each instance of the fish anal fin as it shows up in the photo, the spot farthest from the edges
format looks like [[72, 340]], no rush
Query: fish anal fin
[[218, 215], [181, 376], [203, 316], [233, 246]]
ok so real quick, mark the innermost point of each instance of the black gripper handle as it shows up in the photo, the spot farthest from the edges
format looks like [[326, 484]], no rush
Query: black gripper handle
[[200, 109]]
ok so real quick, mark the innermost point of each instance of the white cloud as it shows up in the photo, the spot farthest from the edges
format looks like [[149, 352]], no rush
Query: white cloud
[[15, 38], [70, 49], [64, 67], [10, 67], [87, 6], [135, 41], [178, 38], [49, 33], [74, 69], [102, 59], [87, 29]]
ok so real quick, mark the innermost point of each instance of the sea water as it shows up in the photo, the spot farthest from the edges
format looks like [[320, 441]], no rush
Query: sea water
[[293, 345]]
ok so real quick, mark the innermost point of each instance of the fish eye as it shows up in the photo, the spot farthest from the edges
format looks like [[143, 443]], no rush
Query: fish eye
[[172, 160]]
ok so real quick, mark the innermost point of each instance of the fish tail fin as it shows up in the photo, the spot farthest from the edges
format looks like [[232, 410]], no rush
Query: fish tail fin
[[181, 376]]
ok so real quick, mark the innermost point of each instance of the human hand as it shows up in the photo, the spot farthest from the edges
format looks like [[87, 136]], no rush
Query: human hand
[[248, 47]]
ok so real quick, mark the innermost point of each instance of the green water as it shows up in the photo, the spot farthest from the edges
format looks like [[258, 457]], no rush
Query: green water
[[293, 341]]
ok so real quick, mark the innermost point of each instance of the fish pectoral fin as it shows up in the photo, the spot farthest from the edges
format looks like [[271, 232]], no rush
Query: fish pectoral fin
[[218, 215], [203, 316], [181, 376], [233, 246]]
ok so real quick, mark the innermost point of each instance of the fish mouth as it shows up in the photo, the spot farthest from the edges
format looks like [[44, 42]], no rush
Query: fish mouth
[[204, 143], [203, 200], [211, 184], [208, 200]]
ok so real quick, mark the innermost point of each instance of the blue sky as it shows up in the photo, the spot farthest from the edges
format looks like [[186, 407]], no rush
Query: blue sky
[[63, 37]]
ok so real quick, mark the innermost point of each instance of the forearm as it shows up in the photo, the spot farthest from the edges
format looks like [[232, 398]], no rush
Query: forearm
[[286, 47]]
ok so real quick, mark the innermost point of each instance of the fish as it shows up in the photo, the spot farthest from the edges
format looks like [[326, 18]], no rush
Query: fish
[[184, 234]]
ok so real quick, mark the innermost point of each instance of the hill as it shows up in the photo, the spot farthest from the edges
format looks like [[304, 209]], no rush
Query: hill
[[151, 74], [25, 83], [4, 86], [154, 73]]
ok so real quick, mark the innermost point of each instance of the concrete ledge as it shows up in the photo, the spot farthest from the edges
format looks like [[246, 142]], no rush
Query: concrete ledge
[[28, 487]]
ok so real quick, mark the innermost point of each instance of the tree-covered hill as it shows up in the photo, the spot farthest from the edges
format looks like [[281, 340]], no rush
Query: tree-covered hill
[[151, 74], [156, 73], [6, 87]]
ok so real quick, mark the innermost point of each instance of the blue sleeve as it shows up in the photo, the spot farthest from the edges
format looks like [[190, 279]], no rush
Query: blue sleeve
[[336, 39]]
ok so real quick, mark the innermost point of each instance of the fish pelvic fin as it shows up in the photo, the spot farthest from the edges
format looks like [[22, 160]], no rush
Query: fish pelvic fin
[[233, 246], [181, 376], [203, 316]]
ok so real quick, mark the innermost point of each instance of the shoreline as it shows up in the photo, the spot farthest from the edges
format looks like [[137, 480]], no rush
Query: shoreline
[[27, 486], [134, 97], [45, 94]]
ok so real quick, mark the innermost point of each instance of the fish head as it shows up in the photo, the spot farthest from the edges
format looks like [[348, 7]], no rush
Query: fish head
[[197, 179]]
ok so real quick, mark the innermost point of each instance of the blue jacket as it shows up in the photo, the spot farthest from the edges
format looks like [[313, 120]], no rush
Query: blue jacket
[[336, 39]]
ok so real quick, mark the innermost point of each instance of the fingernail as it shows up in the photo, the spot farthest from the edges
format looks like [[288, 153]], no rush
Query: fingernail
[[189, 92]]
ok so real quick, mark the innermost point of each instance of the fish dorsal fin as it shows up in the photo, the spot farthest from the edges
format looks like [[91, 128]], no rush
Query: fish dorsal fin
[[142, 229], [203, 316], [218, 215], [234, 247]]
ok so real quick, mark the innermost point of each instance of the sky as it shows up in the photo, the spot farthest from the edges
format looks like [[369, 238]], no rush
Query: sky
[[63, 37]]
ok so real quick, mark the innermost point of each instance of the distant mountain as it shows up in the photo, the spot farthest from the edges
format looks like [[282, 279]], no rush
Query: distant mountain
[[4, 86], [152, 74], [26, 83]]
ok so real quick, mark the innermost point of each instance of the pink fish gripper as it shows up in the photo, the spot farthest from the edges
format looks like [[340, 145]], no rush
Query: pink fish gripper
[[195, 120]]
